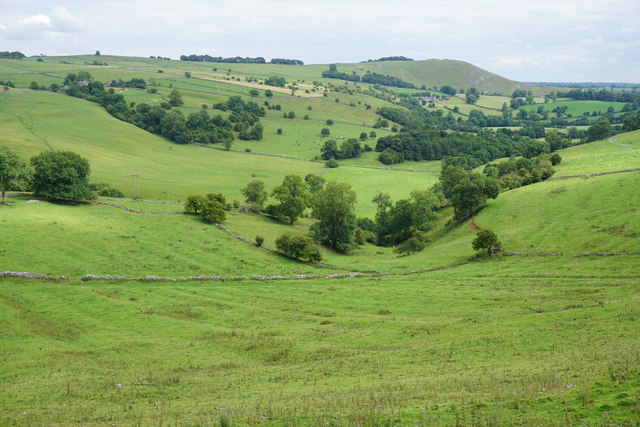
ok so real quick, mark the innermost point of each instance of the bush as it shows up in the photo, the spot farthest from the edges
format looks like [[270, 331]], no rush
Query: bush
[[259, 240], [213, 212], [332, 163], [409, 246], [298, 247]]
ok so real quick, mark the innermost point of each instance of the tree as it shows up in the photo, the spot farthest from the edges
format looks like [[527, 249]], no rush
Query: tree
[[175, 99], [187, 74], [468, 191], [314, 182], [254, 93], [487, 241], [329, 150], [61, 175], [97, 53], [600, 130], [325, 132], [213, 212], [294, 198], [334, 207], [14, 173], [195, 203], [268, 93], [255, 195]]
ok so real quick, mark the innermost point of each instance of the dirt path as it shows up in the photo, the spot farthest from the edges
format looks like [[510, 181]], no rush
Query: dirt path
[[474, 227], [618, 143]]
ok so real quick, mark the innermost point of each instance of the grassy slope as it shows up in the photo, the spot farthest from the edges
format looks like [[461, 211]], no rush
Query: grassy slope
[[601, 156], [438, 72], [438, 348]]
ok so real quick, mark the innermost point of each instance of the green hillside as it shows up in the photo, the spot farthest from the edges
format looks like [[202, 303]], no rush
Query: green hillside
[[439, 72]]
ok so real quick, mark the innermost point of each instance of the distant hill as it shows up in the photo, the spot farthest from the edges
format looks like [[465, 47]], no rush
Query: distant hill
[[438, 72]]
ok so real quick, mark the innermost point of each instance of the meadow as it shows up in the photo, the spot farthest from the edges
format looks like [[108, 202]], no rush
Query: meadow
[[465, 345]]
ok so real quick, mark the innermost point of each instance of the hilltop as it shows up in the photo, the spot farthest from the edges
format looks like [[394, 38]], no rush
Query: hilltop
[[439, 72]]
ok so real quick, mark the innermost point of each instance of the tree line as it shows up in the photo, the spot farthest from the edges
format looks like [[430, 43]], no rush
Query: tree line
[[239, 60]]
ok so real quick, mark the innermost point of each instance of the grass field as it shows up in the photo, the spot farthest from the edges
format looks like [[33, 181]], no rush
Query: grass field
[[601, 156], [454, 346], [578, 108]]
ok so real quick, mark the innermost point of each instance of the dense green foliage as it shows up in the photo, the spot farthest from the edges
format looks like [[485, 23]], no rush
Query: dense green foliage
[[294, 197], [298, 247], [14, 174], [486, 241], [334, 207], [468, 191], [61, 175]]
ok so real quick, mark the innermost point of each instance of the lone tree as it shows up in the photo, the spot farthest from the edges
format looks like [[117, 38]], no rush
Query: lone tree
[[486, 241], [213, 212], [14, 173], [175, 98], [61, 175], [334, 206]]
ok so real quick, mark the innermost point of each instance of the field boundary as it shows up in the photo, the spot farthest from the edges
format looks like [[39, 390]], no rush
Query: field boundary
[[595, 174]]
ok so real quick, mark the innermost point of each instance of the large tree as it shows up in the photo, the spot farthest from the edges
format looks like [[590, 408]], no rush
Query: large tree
[[468, 191], [334, 207], [13, 172], [294, 198], [61, 175]]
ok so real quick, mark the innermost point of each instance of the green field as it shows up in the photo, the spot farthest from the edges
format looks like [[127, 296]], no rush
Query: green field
[[451, 346], [546, 336], [601, 156], [578, 108]]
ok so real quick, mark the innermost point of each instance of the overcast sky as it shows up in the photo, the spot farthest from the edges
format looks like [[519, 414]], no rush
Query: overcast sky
[[525, 40]]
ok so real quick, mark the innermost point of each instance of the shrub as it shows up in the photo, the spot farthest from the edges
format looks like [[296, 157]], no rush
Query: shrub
[[298, 247], [259, 240], [409, 246], [213, 212], [332, 163]]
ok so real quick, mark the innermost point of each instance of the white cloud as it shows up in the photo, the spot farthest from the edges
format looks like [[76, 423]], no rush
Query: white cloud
[[35, 22], [3, 28]]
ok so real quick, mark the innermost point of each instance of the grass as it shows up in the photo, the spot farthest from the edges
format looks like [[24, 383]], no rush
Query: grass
[[604, 215], [578, 108], [601, 156], [438, 348], [105, 240]]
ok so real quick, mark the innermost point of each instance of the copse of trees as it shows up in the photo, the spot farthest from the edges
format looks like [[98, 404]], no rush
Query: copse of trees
[[12, 55], [231, 60], [512, 173], [390, 58], [210, 207], [468, 191], [277, 81], [61, 175], [404, 219], [284, 61], [349, 149]]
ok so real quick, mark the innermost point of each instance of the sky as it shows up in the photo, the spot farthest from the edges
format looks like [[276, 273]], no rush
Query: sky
[[523, 40]]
